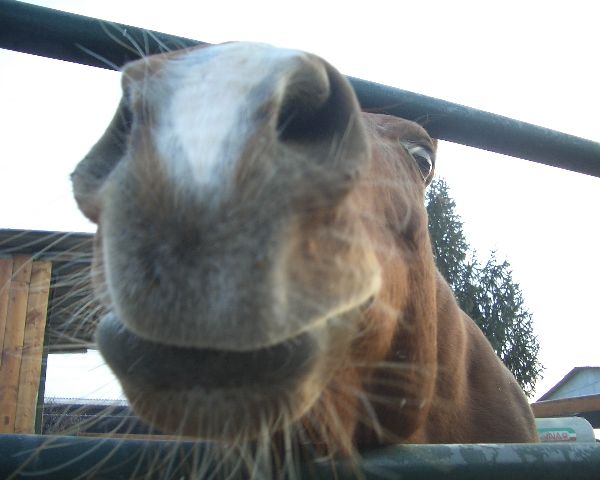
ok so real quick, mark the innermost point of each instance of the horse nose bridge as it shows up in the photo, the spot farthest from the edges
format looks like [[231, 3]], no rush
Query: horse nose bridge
[[231, 113]]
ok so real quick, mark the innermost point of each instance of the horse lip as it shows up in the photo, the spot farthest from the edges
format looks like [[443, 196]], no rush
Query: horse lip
[[148, 365]]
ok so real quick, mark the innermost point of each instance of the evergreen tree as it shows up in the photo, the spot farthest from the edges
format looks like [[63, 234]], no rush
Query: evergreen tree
[[486, 293], [447, 238]]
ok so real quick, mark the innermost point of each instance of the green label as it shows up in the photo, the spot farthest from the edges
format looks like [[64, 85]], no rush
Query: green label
[[557, 435]]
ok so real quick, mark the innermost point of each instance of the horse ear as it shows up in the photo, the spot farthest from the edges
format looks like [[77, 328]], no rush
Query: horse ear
[[91, 172]]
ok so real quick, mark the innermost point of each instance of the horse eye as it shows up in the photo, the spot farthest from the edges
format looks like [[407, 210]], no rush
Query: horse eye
[[423, 157]]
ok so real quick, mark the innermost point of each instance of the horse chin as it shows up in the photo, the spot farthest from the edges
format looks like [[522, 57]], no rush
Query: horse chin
[[217, 394], [233, 416]]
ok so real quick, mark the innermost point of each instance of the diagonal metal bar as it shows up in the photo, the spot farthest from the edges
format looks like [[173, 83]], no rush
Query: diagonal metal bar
[[75, 38]]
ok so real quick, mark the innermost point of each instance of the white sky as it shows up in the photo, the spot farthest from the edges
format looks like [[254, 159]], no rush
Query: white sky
[[536, 61]]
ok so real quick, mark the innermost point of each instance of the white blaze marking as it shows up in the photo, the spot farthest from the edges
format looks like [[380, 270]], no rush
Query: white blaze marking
[[205, 121]]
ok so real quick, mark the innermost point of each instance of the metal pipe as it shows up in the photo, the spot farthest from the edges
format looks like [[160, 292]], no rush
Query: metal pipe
[[76, 38], [51, 457], [55, 34]]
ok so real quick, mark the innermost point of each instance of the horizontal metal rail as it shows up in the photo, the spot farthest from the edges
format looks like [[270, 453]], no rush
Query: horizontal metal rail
[[51, 33], [51, 457]]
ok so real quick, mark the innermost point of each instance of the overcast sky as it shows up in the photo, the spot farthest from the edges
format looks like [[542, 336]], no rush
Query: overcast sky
[[534, 61]]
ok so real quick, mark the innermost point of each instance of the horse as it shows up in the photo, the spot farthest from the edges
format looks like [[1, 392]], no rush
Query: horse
[[263, 257]]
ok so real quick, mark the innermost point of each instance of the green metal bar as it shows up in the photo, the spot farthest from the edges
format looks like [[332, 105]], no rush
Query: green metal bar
[[43, 31], [47, 457], [75, 38]]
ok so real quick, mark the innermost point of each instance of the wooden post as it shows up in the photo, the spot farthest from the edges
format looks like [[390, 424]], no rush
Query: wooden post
[[33, 345], [23, 306], [13, 342], [6, 268]]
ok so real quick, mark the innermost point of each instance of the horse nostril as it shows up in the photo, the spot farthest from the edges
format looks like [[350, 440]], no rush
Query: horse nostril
[[303, 111], [317, 105]]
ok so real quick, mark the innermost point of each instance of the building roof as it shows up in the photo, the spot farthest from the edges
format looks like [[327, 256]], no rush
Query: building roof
[[70, 300], [548, 395]]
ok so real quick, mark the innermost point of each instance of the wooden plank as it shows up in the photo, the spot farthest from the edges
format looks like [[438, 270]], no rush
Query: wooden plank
[[33, 346], [567, 406], [13, 342], [6, 267]]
